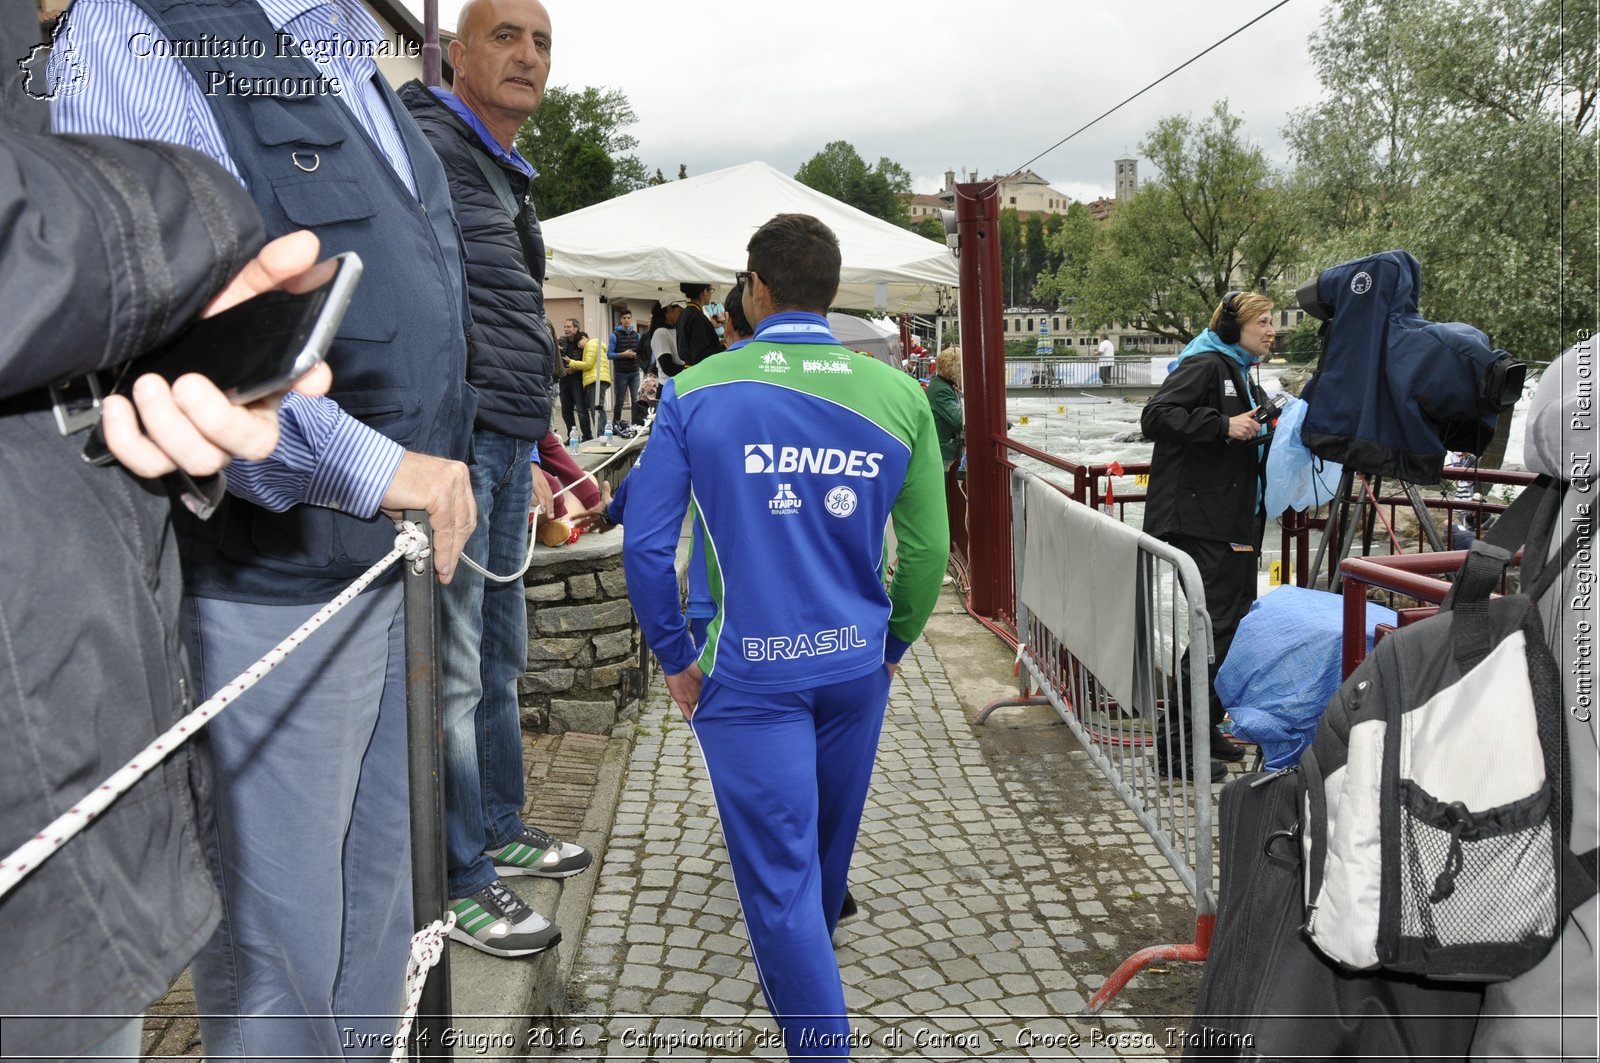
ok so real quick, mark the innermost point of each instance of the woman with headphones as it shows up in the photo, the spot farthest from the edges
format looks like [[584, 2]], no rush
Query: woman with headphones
[[1207, 481]]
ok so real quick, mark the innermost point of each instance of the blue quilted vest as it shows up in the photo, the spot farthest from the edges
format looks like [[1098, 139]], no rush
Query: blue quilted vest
[[400, 360]]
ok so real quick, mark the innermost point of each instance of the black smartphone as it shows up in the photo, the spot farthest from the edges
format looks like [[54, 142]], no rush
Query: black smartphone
[[255, 348], [264, 344]]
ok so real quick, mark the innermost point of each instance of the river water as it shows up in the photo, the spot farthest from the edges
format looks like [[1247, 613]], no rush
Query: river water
[[1096, 431]]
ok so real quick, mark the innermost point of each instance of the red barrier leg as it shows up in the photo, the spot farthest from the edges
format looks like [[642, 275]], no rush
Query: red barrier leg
[[1196, 951]]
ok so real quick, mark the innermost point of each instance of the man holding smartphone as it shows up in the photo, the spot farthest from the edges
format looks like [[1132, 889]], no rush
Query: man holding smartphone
[[310, 846], [501, 56], [94, 667]]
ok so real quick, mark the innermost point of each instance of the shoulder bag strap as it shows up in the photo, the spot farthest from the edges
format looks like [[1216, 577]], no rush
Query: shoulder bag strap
[[501, 185]]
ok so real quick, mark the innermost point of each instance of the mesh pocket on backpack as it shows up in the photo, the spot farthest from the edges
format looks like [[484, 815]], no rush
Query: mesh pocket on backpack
[[1475, 878]]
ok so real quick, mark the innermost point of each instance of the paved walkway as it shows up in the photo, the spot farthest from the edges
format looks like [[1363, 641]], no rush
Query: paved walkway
[[984, 896], [999, 881]]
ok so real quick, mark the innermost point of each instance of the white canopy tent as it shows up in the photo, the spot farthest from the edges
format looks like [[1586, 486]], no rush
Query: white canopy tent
[[876, 336], [641, 246]]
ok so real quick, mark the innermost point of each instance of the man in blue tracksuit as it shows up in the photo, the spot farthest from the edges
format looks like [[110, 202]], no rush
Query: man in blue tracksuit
[[796, 453]]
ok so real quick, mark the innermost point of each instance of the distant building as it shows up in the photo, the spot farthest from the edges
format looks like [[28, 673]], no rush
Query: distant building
[[1127, 178], [1071, 340], [1026, 192]]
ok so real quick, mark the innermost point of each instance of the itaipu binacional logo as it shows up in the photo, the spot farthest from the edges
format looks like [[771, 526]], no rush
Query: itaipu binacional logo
[[785, 502], [1361, 283]]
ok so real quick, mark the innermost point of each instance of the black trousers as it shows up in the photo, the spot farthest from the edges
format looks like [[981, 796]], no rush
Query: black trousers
[[1229, 577], [575, 406]]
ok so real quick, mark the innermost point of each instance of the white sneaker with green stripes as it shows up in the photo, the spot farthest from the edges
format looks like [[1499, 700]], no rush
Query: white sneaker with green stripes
[[537, 853], [496, 921]]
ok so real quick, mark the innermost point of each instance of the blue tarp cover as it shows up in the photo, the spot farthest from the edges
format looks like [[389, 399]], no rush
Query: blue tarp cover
[[1283, 668]]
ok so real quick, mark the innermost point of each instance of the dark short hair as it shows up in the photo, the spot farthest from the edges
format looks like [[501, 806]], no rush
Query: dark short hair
[[734, 305], [798, 259]]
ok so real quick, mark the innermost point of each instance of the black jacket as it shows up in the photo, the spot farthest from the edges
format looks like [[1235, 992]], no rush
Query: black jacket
[[1201, 485], [697, 336], [103, 254], [510, 356]]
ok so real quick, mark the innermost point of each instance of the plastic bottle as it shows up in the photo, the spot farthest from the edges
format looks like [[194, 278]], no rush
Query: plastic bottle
[[572, 439], [608, 433]]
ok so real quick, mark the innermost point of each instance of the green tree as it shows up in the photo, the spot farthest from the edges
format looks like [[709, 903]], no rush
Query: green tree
[[838, 170], [1011, 253], [1036, 257], [1302, 344], [932, 228], [1215, 217], [1052, 229], [1071, 249], [1464, 132], [576, 141]]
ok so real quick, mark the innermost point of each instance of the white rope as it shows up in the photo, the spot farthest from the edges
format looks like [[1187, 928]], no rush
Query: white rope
[[533, 524], [409, 543], [427, 949]]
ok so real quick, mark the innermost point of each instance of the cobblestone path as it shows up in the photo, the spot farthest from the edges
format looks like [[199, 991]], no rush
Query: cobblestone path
[[976, 938]]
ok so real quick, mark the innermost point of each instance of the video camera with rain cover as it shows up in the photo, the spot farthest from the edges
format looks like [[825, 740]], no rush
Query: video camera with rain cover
[[1393, 391]]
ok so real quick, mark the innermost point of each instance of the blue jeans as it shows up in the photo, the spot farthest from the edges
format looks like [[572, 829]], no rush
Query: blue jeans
[[625, 391], [483, 642], [312, 847]]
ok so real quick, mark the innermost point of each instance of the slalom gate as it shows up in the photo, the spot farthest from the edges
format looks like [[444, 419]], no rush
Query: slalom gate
[[1112, 631]]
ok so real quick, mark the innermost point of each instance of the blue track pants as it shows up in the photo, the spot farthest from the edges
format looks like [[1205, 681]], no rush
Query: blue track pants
[[790, 773]]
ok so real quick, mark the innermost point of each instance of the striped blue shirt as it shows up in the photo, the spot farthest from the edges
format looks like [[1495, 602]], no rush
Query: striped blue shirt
[[126, 86]]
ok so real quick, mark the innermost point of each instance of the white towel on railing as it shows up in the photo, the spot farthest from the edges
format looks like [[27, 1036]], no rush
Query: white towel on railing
[[1079, 579]]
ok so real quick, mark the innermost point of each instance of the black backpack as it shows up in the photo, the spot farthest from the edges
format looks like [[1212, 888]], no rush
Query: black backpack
[[1437, 803]]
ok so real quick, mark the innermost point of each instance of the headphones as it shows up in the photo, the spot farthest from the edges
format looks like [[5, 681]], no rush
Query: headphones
[[1227, 328]]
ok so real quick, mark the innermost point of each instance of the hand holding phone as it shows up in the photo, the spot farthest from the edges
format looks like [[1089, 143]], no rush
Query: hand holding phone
[[261, 345], [193, 429], [268, 329]]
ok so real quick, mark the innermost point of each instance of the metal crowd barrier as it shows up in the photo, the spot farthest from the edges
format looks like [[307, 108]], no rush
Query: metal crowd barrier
[[1171, 642], [1068, 372]]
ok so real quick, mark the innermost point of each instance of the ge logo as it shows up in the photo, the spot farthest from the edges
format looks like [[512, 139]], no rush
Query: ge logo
[[841, 502], [1361, 283]]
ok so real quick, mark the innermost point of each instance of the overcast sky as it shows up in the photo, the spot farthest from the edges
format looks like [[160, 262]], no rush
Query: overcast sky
[[932, 84]]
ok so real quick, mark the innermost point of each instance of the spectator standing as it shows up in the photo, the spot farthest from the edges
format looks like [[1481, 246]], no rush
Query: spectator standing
[[1207, 478], [696, 333], [574, 405], [311, 855], [95, 667], [1105, 359], [789, 738], [664, 341], [501, 56], [622, 349], [944, 399], [739, 330], [593, 371]]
